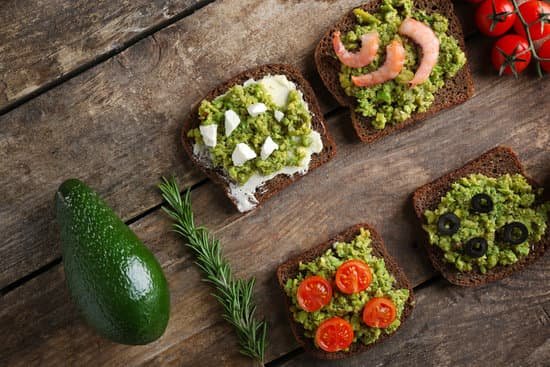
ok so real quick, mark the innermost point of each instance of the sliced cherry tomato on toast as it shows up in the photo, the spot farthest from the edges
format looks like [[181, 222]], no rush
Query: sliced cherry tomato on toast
[[353, 276], [334, 334], [379, 312], [313, 293]]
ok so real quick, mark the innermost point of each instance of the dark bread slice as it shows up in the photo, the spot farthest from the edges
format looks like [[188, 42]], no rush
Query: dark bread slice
[[456, 90], [494, 163], [278, 182], [289, 270]]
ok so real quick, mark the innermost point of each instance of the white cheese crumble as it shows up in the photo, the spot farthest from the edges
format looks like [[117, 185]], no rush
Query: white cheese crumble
[[232, 120], [268, 147], [278, 115], [209, 134], [256, 109], [242, 153]]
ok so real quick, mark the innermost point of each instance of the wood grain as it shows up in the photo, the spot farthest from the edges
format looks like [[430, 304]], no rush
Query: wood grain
[[116, 126], [42, 42], [503, 324], [377, 181]]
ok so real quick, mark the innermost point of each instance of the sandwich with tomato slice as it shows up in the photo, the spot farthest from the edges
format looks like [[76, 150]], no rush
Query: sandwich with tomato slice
[[345, 295]]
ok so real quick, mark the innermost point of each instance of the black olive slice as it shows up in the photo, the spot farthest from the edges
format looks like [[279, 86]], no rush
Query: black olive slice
[[448, 224], [476, 247], [514, 233], [482, 203]]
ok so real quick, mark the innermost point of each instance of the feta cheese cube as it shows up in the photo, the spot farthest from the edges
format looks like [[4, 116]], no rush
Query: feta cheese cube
[[268, 147], [232, 120], [241, 154], [209, 134], [256, 109], [279, 115]]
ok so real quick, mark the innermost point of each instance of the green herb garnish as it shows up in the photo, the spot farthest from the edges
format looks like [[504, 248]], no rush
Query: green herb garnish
[[235, 295]]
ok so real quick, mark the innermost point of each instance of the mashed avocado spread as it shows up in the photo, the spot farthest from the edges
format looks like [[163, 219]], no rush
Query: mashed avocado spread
[[513, 200], [292, 132], [395, 101], [348, 306]]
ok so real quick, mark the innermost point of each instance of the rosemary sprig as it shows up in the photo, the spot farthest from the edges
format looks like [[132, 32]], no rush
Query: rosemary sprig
[[235, 295]]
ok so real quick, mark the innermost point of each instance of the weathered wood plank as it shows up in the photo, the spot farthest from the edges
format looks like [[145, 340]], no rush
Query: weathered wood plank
[[41, 43], [503, 324], [301, 216], [116, 126]]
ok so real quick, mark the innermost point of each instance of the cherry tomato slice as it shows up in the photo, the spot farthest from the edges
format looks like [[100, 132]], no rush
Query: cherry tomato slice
[[313, 293], [334, 334], [531, 12], [544, 52], [510, 51], [495, 17], [353, 276], [379, 312]]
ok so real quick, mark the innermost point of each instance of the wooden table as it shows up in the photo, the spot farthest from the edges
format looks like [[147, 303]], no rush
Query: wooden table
[[98, 90]]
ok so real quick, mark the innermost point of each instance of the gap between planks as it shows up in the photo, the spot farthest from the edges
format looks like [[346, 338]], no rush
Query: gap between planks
[[101, 58]]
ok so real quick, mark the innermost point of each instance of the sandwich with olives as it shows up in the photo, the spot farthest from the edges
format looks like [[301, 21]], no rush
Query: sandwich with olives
[[345, 295], [394, 63], [257, 133], [484, 221]]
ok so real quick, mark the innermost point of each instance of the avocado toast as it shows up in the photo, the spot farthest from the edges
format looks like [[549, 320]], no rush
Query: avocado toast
[[382, 109], [270, 138], [359, 242], [502, 200]]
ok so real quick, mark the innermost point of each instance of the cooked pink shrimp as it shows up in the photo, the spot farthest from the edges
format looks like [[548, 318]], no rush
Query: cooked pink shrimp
[[428, 41], [395, 59], [369, 48]]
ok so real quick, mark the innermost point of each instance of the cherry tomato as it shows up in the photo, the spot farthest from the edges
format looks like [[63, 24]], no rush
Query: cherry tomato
[[313, 293], [353, 276], [510, 54], [334, 334], [544, 52], [379, 312], [495, 17], [532, 12]]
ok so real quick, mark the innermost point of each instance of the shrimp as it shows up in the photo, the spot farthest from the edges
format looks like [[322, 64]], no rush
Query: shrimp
[[428, 41], [395, 59], [369, 48]]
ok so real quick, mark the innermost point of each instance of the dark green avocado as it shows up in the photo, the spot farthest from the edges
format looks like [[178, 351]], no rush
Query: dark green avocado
[[113, 278]]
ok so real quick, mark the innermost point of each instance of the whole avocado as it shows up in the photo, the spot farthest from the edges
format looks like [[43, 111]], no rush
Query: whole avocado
[[115, 280]]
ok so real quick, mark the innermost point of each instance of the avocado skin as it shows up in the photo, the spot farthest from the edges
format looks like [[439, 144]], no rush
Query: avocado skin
[[115, 280]]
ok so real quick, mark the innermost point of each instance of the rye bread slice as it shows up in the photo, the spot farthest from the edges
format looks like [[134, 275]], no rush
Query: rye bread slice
[[456, 90], [278, 182], [494, 163], [289, 270]]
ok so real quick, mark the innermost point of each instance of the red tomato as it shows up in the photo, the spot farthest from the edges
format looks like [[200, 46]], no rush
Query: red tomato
[[495, 17], [544, 52], [313, 293], [379, 312], [510, 54], [353, 276], [532, 11], [334, 334]]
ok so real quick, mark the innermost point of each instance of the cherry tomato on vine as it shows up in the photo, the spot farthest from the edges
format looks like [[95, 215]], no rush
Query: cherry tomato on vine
[[537, 14], [313, 293], [495, 17], [334, 334], [544, 52], [511, 54], [379, 312]]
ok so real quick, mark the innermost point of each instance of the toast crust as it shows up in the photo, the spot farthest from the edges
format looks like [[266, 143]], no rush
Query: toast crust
[[279, 182], [456, 90], [289, 270], [494, 163]]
